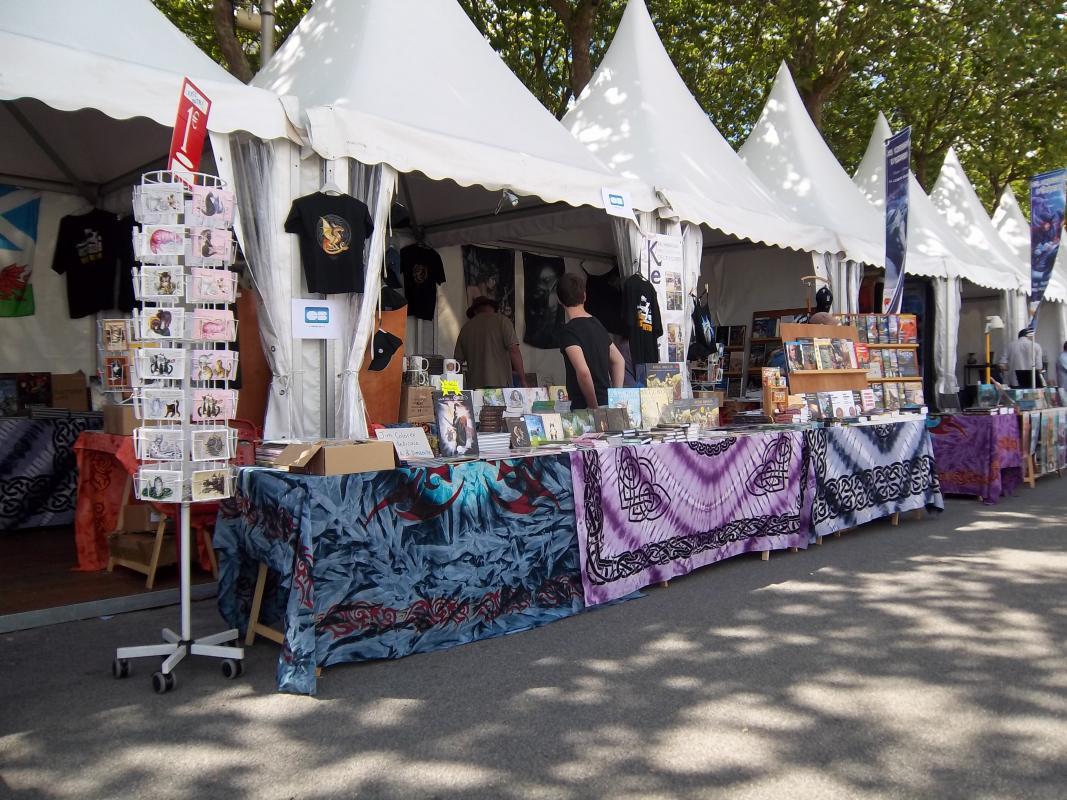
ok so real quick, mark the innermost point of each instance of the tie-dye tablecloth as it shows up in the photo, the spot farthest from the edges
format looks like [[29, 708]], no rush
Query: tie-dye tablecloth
[[382, 565], [649, 513], [865, 472], [978, 454]]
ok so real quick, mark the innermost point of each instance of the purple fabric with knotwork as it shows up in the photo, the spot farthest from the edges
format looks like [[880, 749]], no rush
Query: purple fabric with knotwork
[[654, 512]]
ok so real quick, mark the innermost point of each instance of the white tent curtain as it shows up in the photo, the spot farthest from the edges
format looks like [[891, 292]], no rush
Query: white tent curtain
[[375, 186], [629, 240], [253, 168], [844, 276], [1014, 311], [947, 299]]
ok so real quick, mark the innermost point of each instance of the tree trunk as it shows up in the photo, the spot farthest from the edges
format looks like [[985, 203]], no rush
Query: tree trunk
[[223, 22], [578, 22]]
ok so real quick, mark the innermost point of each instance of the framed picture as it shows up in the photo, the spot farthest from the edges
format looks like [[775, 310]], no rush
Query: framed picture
[[162, 323], [159, 485], [208, 285], [162, 443], [214, 444], [117, 372], [159, 404], [115, 334], [213, 365], [211, 484]]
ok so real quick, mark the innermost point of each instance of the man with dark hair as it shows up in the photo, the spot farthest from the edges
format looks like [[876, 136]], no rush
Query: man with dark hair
[[1024, 355], [591, 360]]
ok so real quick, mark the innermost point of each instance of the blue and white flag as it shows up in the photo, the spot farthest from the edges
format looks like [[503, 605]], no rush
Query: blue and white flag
[[897, 171], [19, 209], [1048, 197]]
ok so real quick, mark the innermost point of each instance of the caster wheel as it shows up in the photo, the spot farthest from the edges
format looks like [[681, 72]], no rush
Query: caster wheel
[[232, 667], [120, 668], [163, 683]]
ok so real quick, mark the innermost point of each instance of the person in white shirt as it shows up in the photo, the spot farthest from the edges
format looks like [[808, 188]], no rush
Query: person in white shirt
[[1024, 355], [1061, 368]]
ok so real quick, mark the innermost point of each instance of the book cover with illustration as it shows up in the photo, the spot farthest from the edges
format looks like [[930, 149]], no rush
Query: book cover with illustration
[[808, 357], [700, 411], [756, 356], [861, 327], [907, 363], [535, 427], [520, 434], [553, 424], [872, 329], [824, 353], [456, 431], [653, 402], [883, 330], [894, 328], [737, 361], [794, 357], [657, 375], [764, 328], [610, 420], [629, 399], [558, 394], [577, 423], [909, 329]]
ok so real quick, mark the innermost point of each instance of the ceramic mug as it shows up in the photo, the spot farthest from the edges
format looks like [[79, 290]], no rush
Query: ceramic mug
[[416, 364], [451, 366], [416, 378]]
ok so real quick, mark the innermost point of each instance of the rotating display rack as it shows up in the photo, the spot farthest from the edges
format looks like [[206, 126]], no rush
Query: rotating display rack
[[180, 366]]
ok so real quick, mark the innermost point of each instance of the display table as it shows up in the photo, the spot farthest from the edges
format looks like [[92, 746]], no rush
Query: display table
[[649, 513], [865, 472], [978, 454], [1044, 437], [382, 565], [38, 470]]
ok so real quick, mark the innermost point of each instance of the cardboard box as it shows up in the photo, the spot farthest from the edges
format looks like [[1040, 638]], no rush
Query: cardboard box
[[70, 391], [137, 548], [338, 458], [140, 517], [120, 420], [416, 404]]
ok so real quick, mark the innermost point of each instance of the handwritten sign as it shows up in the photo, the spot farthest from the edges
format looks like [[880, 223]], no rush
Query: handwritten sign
[[409, 442]]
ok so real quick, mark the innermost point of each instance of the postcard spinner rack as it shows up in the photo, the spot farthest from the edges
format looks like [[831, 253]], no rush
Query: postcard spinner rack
[[181, 364]]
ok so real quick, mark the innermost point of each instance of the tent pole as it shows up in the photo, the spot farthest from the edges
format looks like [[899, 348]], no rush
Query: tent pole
[[266, 32], [48, 150]]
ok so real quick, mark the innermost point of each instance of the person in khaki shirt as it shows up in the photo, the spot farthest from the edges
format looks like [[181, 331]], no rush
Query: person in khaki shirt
[[489, 346]]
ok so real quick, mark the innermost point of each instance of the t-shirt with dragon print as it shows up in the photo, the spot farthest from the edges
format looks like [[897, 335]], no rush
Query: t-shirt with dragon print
[[332, 230]]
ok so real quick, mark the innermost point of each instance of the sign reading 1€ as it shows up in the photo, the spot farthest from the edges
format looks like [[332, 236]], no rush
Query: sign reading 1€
[[190, 130]]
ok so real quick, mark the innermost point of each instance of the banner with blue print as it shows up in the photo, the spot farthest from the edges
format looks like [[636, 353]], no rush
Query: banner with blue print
[[897, 171], [1048, 196], [19, 209]]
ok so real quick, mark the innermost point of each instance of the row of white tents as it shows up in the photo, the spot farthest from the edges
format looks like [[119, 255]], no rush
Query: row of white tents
[[405, 100]]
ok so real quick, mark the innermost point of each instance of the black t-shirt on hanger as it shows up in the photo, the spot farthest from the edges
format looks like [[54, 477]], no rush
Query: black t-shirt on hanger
[[640, 310], [423, 273], [90, 249], [332, 230], [603, 299]]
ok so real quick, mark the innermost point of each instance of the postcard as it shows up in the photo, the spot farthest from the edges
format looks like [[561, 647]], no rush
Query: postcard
[[160, 485], [159, 404], [211, 484], [162, 443], [209, 246], [213, 444], [207, 285], [213, 325], [213, 365], [166, 363], [159, 203], [115, 334], [155, 283], [116, 372], [162, 323], [213, 404], [211, 207]]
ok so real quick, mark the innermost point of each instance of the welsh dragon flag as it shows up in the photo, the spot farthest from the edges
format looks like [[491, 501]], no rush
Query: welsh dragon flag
[[19, 209]]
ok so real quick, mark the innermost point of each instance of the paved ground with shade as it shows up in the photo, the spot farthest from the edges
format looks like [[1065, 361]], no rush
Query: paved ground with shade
[[922, 661]]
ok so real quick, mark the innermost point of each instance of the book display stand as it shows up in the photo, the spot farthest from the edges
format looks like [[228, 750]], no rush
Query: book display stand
[[180, 377]]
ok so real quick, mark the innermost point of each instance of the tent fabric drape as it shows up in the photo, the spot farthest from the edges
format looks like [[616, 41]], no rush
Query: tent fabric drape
[[845, 277], [261, 206], [947, 300], [374, 185]]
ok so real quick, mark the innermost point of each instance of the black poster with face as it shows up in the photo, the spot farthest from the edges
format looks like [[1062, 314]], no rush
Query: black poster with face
[[489, 272], [544, 313]]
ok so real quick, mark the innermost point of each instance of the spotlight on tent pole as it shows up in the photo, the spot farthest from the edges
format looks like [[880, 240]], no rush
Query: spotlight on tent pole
[[506, 196]]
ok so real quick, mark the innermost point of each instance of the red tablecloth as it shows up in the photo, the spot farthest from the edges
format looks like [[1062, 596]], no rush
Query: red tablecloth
[[104, 463], [978, 454]]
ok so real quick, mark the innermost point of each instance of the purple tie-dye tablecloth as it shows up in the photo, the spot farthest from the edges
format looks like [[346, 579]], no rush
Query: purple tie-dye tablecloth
[[653, 512], [978, 455]]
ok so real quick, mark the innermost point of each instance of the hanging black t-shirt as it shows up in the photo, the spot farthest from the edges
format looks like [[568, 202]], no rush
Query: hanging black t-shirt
[[332, 230], [89, 249], [590, 335], [703, 339], [640, 310], [423, 273], [603, 299], [127, 299]]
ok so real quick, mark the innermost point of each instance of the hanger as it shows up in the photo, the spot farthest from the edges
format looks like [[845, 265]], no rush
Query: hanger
[[329, 187]]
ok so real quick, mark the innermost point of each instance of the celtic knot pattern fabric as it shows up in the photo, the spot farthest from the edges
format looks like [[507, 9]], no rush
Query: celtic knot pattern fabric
[[866, 472], [38, 471], [383, 565], [653, 512], [977, 454]]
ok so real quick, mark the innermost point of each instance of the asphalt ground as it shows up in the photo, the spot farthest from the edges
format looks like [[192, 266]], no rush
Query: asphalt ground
[[923, 661]]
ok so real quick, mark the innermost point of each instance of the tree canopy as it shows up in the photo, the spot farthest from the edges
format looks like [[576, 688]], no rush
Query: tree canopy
[[988, 76]]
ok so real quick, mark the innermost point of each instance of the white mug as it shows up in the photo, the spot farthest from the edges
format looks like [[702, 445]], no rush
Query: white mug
[[451, 366]]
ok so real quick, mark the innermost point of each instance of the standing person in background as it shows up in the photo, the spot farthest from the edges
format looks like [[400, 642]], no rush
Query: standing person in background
[[1061, 368], [1024, 355], [490, 347], [592, 362]]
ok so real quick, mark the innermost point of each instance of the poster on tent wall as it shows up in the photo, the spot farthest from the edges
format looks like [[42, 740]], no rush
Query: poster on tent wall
[[897, 170], [543, 313], [661, 262], [19, 210], [1048, 197], [490, 272]]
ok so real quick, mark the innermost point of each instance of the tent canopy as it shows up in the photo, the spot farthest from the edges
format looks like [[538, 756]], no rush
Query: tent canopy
[[956, 199], [934, 249], [106, 61], [1013, 228], [413, 84], [788, 154], [638, 116]]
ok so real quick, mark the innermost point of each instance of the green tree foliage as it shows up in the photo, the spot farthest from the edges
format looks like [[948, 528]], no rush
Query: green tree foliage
[[988, 76]]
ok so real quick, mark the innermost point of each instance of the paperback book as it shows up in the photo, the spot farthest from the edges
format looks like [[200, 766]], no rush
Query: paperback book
[[629, 399], [456, 431]]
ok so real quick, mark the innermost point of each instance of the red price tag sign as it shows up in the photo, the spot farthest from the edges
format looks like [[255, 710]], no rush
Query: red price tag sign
[[190, 130]]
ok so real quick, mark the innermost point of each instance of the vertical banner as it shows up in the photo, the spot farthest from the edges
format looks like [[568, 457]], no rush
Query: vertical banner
[[19, 210], [490, 272], [190, 130], [543, 313], [1048, 197], [663, 257], [897, 171]]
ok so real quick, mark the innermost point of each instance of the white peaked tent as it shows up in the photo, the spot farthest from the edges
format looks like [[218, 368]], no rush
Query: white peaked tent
[[638, 116], [406, 91], [89, 94], [1013, 228], [787, 152]]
